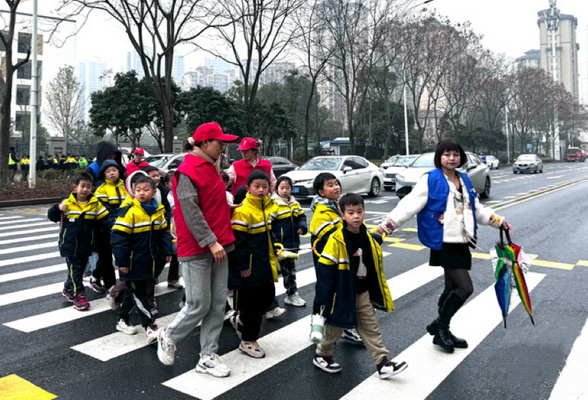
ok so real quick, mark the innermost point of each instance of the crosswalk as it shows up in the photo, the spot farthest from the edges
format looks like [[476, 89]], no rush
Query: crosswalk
[[32, 273]]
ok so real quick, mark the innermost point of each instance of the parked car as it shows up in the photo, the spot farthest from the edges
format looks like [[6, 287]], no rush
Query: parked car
[[281, 165], [355, 173], [167, 162], [478, 172], [391, 168], [490, 161], [575, 154], [528, 163]]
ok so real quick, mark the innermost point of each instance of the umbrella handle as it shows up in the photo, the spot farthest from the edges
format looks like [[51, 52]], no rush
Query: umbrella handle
[[505, 231]]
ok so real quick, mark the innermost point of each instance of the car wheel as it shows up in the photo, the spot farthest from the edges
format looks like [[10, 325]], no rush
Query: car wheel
[[541, 171], [514, 172], [375, 188], [486, 193], [535, 170]]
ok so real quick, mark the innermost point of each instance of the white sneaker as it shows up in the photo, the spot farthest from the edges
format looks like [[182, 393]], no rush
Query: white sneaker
[[276, 312], [295, 300], [166, 349], [212, 364], [151, 332], [352, 336], [126, 327]]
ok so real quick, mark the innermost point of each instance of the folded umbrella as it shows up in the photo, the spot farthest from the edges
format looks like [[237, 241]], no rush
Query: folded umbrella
[[518, 277]]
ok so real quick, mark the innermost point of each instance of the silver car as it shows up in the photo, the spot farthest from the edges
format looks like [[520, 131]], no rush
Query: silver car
[[527, 163], [167, 162], [393, 166], [355, 173], [478, 172]]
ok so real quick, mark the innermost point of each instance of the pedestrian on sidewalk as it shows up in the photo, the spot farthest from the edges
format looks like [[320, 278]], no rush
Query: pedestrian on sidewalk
[[204, 237], [80, 215], [448, 211]]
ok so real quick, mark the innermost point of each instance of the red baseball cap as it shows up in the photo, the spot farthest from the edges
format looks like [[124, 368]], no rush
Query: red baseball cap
[[212, 130], [139, 150], [248, 143]]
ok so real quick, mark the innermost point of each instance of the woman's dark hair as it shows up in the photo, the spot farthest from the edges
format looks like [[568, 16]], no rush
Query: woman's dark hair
[[282, 179], [319, 181], [188, 147], [449, 145], [225, 177], [257, 174], [240, 194], [145, 179]]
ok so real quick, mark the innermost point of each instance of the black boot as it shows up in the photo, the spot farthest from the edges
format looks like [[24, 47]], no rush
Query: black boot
[[440, 327], [457, 342]]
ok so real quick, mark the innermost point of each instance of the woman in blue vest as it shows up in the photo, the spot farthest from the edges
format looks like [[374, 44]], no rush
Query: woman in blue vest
[[448, 212]]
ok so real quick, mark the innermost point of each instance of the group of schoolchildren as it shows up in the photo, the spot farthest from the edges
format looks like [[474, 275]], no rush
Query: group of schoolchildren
[[126, 220]]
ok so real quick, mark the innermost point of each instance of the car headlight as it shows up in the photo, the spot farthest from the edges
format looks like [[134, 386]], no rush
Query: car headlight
[[381, 169], [399, 177], [302, 182]]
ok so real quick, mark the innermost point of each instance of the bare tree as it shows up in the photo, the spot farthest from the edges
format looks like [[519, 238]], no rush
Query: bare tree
[[155, 29], [263, 29], [64, 107], [6, 81]]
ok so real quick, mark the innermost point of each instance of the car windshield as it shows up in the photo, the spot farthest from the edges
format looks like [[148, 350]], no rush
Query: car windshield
[[393, 160], [425, 161], [157, 161], [526, 157], [406, 161], [322, 164]]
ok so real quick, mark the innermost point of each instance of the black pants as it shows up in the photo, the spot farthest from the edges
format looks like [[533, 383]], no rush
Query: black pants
[[75, 271], [252, 302], [173, 274], [137, 294], [104, 269]]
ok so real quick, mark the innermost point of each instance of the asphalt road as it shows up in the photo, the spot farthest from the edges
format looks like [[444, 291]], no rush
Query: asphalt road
[[72, 355]]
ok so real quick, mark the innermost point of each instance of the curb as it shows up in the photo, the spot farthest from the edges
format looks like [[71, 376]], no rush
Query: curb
[[29, 202]]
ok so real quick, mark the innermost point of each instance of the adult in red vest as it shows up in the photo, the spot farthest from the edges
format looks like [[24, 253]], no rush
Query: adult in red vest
[[137, 163], [240, 170], [205, 236]]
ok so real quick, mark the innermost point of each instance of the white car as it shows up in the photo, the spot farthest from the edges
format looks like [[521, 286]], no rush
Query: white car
[[167, 162], [393, 166], [490, 161], [355, 173]]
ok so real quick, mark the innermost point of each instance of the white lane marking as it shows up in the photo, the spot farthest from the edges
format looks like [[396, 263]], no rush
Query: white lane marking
[[11, 217], [23, 219], [554, 177], [29, 239], [569, 384], [32, 272], [474, 321], [28, 232], [510, 197], [26, 259], [29, 248], [68, 314], [244, 368], [28, 294], [20, 226]]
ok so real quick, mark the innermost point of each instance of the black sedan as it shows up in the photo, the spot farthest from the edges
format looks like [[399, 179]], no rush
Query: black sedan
[[281, 165]]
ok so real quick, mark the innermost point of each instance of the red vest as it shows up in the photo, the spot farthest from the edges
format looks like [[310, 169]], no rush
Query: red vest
[[132, 167], [243, 169], [212, 201]]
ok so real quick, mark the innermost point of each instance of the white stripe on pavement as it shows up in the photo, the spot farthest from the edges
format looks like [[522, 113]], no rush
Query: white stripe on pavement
[[29, 248], [19, 226], [11, 217], [22, 219], [29, 239], [32, 272], [28, 294], [54, 228], [68, 314], [568, 385], [26, 259], [244, 368], [430, 366]]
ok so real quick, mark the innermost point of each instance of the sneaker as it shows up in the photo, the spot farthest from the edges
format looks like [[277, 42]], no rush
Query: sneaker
[[276, 312], [229, 314], [352, 336], [151, 331], [174, 285], [114, 305], [327, 364], [181, 304], [67, 295], [236, 322], [166, 349], [212, 364], [80, 302], [295, 300], [252, 349], [388, 368], [96, 285], [126, 327]]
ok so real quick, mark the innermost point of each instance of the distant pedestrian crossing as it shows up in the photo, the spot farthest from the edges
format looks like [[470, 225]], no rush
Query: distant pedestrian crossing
[[28, 254]]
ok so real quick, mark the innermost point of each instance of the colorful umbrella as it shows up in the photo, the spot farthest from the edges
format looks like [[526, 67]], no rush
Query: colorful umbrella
[[509, 273]]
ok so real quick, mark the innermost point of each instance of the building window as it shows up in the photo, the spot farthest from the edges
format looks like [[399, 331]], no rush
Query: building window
[[22, 121], [2, 47], [24, 42], [24, 71], [23, 95]]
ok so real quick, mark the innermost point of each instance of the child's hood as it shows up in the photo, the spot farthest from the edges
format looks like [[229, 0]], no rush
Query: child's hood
[[332, 204], [281, 201], [106, 164], [129, 180]]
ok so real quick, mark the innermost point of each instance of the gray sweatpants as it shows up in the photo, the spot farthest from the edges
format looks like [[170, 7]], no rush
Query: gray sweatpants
[[206, 294]]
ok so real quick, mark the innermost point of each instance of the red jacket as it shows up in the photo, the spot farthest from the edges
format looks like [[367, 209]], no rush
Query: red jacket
[[243, 169], [132, 167], [212, 201]]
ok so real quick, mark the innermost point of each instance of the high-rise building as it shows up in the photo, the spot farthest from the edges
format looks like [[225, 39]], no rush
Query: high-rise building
[[531, 59], [562, 28], [93, 77], [134, 63]]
